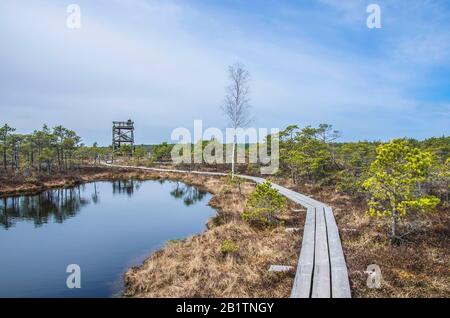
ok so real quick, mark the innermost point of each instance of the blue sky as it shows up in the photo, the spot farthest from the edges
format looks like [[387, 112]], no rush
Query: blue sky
[[163, 63]]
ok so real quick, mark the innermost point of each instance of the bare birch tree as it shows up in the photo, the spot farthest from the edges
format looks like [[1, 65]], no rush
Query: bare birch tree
[[236, 106]]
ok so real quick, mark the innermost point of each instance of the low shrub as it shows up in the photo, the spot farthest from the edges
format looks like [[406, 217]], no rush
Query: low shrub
[[263, 205], [229, 247]]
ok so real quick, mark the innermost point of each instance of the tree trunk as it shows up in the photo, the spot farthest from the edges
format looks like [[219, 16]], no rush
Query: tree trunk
[[58, 153], [232, 157], [393, 225], [394, 237]]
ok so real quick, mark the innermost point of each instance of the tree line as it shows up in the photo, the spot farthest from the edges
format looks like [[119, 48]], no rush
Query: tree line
[[47, 150], [396, 178]]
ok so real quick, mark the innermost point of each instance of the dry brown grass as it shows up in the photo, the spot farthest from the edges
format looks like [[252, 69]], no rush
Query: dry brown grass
[[196, 267], [420, 267], [19, 183]]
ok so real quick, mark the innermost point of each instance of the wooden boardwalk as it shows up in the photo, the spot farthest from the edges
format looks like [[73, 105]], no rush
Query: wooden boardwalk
[[321, 269]]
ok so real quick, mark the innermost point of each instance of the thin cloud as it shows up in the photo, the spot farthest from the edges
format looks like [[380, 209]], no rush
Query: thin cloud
[[164, 64]]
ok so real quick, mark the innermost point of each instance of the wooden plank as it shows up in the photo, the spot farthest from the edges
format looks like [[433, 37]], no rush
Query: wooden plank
[[303, 277], [280, 268], [322, 279], [340, 286], [293, 196], [292, 229]]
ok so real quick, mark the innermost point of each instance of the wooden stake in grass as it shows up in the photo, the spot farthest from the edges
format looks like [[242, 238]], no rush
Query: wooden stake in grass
[[280, 268]]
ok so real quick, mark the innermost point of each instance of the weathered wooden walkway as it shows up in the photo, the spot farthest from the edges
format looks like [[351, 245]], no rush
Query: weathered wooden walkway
[[321, 269]]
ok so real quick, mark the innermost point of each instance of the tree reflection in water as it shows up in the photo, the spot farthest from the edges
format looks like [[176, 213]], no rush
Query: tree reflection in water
[[189, 194], [52, 205], [125, 186], [58, 205]]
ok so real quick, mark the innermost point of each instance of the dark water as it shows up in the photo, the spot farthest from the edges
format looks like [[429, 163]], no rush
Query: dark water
[[104, 227]]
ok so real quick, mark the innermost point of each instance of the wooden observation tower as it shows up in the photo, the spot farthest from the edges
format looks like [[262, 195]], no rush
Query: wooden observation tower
[[122, 134]]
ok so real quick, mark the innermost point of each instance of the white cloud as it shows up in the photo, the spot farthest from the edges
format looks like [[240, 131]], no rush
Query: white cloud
[[164, 64]]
